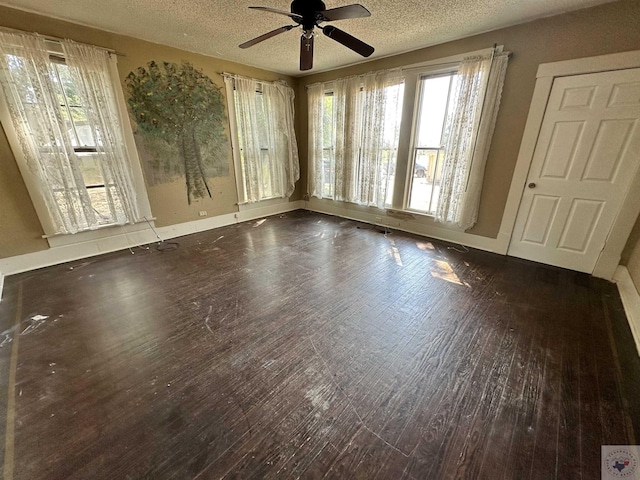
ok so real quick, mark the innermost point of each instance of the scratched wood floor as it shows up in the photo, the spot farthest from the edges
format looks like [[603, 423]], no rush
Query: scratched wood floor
[[307, 346]]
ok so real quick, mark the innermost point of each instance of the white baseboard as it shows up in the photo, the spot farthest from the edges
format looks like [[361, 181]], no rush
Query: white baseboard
[[125, 239], [267, 208], [631, 301], [502, 242], [410, 226]]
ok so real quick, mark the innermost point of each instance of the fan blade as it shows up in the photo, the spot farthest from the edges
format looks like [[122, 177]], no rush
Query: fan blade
[[341, 13], [348, 41], [306, 53], [267, 35], [295, 16]]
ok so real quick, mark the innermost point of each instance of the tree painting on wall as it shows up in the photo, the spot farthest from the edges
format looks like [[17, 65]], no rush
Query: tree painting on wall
[[180, 116]]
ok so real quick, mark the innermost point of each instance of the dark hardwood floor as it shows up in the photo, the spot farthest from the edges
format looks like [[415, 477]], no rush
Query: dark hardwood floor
[[307, 346]]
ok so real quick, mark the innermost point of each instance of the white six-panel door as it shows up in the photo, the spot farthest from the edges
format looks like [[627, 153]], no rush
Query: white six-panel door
[[587, 153]]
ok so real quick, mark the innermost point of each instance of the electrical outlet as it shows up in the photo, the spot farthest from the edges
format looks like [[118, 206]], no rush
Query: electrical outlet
[[203, 213]]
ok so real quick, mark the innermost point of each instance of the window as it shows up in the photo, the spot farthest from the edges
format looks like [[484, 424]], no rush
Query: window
[[434, 104], [454, 112], [328, 147], [390, 133], [87, 158], [353, 134], [263, 138], [268, 180], [67, 135]]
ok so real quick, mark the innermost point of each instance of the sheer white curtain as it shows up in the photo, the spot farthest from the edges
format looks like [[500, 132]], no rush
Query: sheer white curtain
[[468, 133], [32, 90], [89, 68], [248, 113], [381, 100], [265, 135], [334, 139], [320, 132], [34, 107], [363, 120]]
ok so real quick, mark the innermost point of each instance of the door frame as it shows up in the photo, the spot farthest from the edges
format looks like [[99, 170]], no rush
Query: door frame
[[619, 234]]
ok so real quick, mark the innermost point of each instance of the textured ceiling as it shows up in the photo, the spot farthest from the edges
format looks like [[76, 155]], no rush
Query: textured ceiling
[[217, 27]]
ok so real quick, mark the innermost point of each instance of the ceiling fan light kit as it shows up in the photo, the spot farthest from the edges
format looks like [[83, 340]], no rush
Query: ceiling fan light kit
[[310, 14]]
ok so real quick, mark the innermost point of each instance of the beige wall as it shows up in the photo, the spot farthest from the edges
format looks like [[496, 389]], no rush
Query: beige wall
[[632, 243], [20, 230], [600, 30], [609, 28], [633, 264]]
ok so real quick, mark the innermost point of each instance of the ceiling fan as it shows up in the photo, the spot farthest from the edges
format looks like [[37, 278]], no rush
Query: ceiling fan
[[309, 14]]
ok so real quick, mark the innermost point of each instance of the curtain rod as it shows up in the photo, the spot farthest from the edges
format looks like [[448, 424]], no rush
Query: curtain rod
[[359, 75], [446, 64], [235, 75], [400, 69], [431, 65], [51, 38], [272, 82], [409, 69]]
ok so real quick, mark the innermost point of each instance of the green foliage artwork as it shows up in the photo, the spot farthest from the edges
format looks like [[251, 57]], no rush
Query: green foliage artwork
[[180, 114]]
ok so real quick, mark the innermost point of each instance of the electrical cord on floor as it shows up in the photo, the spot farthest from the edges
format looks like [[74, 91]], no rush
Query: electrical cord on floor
[[124, 230], [378, 228], [162, 246], [141, 247], [462, 248]]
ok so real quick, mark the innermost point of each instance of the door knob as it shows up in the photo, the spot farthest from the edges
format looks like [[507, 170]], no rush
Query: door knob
[[532, 185]]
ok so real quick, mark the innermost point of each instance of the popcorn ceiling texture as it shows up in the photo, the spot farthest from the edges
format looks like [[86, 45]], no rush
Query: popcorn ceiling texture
[[217, 27]]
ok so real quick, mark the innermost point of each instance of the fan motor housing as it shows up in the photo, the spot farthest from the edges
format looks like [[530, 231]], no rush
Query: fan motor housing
[[308, 10]]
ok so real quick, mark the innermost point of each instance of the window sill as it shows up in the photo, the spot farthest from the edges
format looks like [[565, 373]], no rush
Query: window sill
[[104, 231], [407, 220], [404, 214], [409, 213]]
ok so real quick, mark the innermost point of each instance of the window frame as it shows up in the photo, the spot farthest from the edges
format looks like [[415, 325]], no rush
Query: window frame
[[32, 184], [417, 110], [408, 130]]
